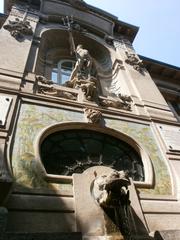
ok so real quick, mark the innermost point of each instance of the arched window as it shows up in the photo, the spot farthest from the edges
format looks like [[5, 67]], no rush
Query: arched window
[[73, 151], [62, 72]]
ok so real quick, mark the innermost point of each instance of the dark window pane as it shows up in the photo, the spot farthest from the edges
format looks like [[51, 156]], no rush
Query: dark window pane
[[73, 151]]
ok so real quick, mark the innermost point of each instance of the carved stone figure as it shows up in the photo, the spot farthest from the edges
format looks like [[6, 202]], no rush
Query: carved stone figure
[[81, 74], [88, 86], [93, 115], [111, 192], [134, 61], [43, 80], [77, 27], [83, 65], [57, 93], [18, 28], [120, 101], [125, 98], [109, 40], [109, 189]]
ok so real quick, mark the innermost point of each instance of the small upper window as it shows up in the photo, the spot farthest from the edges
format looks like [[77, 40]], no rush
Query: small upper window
[[62, 72]]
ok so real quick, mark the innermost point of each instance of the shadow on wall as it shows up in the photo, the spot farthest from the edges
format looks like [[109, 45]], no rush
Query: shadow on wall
[[39, 208], [37, 212], [5, 179], [136, 228]]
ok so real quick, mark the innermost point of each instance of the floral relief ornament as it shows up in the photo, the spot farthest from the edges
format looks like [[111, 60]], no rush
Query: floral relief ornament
[[19, 28]]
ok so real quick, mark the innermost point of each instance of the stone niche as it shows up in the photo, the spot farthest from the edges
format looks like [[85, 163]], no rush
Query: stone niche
[[92, 220], [55, 46], [107, 86]]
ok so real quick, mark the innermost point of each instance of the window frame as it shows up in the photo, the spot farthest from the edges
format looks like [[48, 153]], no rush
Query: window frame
[[148, 169], [59, 70]]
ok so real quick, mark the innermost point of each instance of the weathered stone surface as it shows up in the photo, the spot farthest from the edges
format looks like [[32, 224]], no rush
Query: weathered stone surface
[[89, 216], [14, 53], [164, 220], [96, 21], [91, 219], [43, 236], [167, 235], [40, 221], [40, 203]]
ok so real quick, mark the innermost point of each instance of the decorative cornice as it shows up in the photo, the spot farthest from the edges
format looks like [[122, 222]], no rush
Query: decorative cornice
[[166, 71]]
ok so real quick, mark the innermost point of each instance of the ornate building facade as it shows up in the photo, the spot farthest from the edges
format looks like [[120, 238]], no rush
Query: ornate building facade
[[89, 130]]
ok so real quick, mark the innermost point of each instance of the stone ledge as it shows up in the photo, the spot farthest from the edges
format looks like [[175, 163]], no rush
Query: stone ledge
[[167, 235], [43, 236]]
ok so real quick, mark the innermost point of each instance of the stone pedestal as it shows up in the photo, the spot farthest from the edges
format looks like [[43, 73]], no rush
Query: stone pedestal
[[90, 218]]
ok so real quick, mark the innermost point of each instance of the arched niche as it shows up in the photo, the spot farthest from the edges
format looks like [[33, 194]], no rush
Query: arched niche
[[54, 45], [58, 140]]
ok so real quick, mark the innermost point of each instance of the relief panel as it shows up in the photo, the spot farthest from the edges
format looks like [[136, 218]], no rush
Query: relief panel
[[35, 118], [31, 121], [143, 135]]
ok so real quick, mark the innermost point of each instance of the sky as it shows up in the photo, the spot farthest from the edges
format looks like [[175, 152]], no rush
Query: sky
[[158, 21]]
